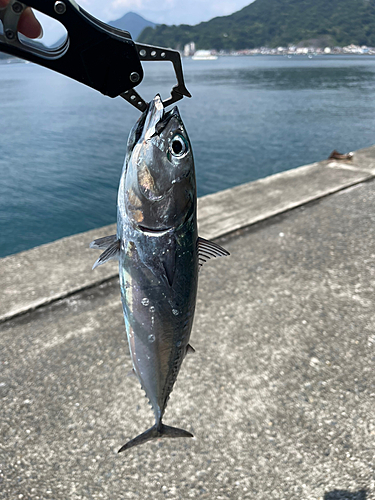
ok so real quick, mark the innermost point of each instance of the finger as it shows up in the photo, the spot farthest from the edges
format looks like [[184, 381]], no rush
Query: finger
[[28, 24]]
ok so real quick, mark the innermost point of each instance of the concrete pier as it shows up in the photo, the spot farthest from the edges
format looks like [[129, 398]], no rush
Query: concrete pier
[[280, 393]]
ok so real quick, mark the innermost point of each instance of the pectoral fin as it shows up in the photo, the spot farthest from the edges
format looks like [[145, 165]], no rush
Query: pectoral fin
[[103, 243], [111, 252], [162, 265], [169, 264], [208, 249]]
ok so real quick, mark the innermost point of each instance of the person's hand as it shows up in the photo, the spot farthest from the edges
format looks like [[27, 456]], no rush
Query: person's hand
[[28, 24]]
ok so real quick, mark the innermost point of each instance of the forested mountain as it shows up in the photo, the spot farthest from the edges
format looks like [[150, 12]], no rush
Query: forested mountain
[[273, 23]]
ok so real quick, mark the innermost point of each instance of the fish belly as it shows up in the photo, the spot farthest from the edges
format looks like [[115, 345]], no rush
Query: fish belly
[[158, 314]]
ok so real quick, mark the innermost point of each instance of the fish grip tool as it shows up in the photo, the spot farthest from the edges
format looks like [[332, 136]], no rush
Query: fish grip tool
[[151, 53], [95, 54]]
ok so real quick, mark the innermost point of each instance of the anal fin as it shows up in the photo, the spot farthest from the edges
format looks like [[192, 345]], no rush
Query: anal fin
[[189, 349]]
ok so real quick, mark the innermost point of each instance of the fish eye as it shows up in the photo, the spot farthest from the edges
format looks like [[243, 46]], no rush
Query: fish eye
[[178, 146]]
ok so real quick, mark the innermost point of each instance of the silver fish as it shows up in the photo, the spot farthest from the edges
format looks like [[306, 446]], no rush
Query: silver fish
[[159, 254]]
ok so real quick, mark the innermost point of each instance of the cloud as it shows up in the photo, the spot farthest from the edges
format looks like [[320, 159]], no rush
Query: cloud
[[124, 5]]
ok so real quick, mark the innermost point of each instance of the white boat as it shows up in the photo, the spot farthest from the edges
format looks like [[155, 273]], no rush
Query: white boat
[[203, 55]]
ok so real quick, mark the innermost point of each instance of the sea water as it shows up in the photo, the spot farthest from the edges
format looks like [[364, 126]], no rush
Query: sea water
[[62, 144]]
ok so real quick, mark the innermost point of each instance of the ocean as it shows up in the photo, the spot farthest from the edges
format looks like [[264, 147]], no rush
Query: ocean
[[62, 144]]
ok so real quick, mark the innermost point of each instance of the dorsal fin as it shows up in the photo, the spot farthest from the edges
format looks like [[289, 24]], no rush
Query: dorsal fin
[[209, 249], [112, 252], [103, 243]]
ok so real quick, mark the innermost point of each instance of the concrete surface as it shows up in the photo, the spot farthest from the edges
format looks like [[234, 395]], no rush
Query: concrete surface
[[280, 392], [49, 272]]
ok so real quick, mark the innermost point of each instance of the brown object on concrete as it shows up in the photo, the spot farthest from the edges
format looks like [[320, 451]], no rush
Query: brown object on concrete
[[335, 155]]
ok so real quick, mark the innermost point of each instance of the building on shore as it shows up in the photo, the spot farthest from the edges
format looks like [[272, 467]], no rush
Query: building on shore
[[189, 49]]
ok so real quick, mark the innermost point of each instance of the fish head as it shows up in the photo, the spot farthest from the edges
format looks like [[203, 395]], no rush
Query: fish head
[[159, 190]]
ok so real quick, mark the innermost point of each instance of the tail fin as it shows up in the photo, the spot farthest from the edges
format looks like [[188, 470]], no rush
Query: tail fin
[[154, 433]]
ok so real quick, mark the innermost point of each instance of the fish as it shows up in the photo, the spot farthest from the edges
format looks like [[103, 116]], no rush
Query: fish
[[159, 255]]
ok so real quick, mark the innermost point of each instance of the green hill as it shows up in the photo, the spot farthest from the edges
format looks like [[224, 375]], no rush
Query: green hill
[[272, 23]]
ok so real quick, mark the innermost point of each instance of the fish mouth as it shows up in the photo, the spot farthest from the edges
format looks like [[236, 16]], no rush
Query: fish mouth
[[152, 122], [156, 118], [163, 122], [153, 115], [145, 126]]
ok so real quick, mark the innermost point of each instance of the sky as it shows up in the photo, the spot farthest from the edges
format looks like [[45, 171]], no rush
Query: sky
[[163, 11], [160, 11]]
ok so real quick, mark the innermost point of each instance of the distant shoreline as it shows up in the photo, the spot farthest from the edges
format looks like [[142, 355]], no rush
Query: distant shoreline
[[291, 50], [290, 54], [17, 60]]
